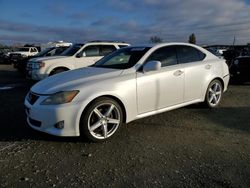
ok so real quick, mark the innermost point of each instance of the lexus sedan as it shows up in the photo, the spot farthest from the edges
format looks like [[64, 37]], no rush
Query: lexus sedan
[[130, 83]]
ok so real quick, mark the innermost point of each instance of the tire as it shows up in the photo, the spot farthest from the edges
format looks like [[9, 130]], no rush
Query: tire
[[213, 94], [57, 71], [101, 119]]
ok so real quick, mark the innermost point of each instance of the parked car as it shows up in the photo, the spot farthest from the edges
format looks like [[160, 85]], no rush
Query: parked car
[[215, 52], [240, 69], [22, 52], [77, 56], [21, 63], [130, 83], [55, 44], [4, 55]]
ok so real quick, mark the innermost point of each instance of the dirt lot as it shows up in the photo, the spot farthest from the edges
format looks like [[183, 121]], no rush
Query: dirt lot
[[188, 147]]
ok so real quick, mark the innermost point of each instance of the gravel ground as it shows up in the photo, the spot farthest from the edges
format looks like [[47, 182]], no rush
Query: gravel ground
[[188, 147]]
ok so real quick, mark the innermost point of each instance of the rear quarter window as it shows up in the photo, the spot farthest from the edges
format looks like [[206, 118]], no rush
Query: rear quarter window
[[122, 46], [188, 54]]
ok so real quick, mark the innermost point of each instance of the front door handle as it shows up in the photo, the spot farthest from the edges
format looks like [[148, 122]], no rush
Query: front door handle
[[178, 73]]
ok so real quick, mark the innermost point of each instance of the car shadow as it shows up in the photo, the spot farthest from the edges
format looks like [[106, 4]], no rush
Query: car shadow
[[235, 118], [221, 119], [13, 126], [237, 83]]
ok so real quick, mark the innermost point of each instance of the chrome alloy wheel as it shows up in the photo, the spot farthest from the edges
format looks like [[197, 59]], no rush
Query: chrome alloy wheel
[[214, 94], [104, 120]]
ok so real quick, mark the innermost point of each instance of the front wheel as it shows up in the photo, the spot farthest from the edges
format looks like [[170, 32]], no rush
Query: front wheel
[[213, 94], [101, 119]]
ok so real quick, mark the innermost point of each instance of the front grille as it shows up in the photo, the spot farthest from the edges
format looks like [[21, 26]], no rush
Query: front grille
[[35, 122], [32, 98], [15, 55]]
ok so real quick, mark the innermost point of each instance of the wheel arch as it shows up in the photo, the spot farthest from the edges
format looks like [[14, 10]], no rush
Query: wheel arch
[[57, 68], [205, 102], [207, 84], [220, 79], [115, 98]]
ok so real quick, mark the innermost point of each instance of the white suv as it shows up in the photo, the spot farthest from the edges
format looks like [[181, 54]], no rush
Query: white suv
[[24, 51], [77, 56]]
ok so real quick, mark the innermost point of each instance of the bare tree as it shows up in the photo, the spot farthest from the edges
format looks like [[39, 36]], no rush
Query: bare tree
[[155, 39], [192, 39]]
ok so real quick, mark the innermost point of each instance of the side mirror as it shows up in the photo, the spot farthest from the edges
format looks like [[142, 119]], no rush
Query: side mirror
[[79, 55], [152, 66]]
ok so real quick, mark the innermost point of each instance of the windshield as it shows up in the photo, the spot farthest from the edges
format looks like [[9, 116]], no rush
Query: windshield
[[122, 59], [71, 50], [45, 51], [22, 49]]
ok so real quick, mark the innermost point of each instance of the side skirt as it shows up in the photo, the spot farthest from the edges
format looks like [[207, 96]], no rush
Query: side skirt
[[168, 109]]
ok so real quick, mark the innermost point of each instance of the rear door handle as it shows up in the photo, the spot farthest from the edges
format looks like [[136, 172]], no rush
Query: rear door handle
[[208, 66], [178, 73]]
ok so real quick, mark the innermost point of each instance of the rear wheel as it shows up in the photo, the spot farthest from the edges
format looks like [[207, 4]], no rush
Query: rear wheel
[[214, 94], [101, 119]]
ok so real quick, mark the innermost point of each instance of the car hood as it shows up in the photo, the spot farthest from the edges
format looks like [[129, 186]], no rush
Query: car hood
[[47, 58], [73, 79]]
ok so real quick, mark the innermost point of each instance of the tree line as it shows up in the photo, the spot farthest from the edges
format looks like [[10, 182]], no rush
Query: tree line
[[156, 39]]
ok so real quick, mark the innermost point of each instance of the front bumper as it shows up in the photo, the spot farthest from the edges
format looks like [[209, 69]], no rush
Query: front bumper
[[35, 74], [44, 117]]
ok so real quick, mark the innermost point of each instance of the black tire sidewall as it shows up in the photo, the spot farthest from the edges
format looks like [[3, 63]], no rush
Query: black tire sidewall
[[57, 71]]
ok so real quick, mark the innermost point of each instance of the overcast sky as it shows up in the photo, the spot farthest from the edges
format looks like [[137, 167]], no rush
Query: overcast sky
[[133, 21]]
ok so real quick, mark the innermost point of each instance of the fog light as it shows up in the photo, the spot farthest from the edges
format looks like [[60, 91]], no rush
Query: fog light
[[59, 125]]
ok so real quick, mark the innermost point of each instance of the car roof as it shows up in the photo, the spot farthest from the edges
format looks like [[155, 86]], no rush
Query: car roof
[[80, 44], [107, 42], [164, 44]]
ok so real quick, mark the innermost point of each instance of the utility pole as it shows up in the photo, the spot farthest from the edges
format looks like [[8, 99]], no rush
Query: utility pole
[[234, 41]]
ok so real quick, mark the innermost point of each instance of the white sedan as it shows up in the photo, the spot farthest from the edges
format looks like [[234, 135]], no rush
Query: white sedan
[[131, 83]]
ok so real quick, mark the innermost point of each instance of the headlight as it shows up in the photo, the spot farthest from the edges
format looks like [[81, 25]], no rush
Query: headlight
[[38, 65], [60, 98]]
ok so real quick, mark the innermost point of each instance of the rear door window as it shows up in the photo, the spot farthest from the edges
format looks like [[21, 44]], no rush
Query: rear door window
[[166, 55], [33, 50], [106, 49]]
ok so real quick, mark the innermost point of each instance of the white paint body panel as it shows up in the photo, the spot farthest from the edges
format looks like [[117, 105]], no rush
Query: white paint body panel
[[162, 87], [142, 94]]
